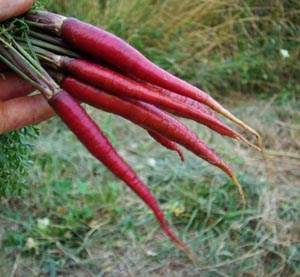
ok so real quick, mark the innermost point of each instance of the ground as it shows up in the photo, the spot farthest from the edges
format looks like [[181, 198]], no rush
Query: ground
[[78, 220]]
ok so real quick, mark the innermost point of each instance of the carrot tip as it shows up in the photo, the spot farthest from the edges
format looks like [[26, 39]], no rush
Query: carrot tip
[[239, 122], [179, 243], [180, 154], [260, 144], [241, 138], [191, 255], [240, 189]]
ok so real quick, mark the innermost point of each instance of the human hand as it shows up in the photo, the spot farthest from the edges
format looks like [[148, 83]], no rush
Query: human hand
[[17, 110], [13, 8]]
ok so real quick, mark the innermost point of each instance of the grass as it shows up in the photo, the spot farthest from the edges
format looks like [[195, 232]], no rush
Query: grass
[[76, 219], [15, 149], [222, 46]]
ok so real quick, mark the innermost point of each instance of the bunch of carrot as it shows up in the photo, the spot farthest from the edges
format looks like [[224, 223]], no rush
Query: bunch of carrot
[[100, 69]]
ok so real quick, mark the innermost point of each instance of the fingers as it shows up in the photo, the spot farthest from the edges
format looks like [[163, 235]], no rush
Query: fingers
[[12, 86], [23, 111], [19, 112], [12, 8]]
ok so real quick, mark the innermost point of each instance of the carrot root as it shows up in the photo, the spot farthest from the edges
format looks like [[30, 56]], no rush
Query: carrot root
[[167, 143], [115, 51], [92, 137]]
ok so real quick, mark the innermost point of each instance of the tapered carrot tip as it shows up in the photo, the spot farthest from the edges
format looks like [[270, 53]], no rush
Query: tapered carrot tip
[[179, 243], [258, 148], [180, 154], [191, 255], [239, 122], [259, 141], [239, 187]]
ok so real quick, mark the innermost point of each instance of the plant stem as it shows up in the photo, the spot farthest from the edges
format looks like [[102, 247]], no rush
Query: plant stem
[[49, 46], [46, 55], [54, 40], [23, 62], [20, 61], [15, 69]]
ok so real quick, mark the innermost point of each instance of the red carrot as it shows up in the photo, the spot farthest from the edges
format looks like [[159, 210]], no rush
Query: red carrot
[[169, 144], [110, 103], [180, 98], [198, 147], [12, 86], [82, 125], [190, 102], [91, 136], [115, 51], [123, 86], [152, 118]]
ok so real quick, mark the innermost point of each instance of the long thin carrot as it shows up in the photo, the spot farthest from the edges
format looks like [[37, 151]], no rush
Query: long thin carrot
[[120, 85], [198, 147], [91, 136], [82, 125], [123, 86], [115, 51], [152, 118], [178, 97], [169, 144], [197, 105]]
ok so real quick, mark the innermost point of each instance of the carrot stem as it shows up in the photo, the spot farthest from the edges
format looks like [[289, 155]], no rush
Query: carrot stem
[[51, 39]]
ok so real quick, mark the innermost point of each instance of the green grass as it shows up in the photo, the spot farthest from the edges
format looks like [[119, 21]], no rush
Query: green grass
[[75, 219], [15, 158], [78, 218]]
